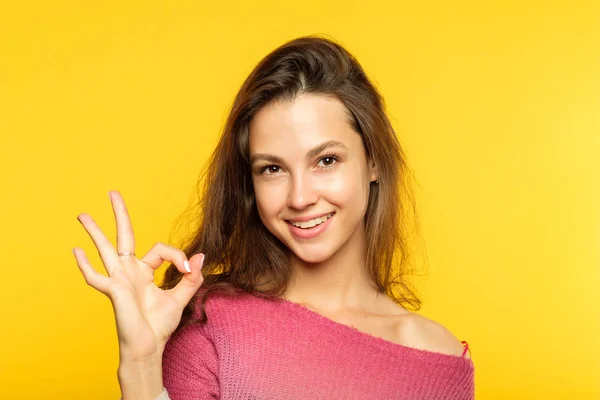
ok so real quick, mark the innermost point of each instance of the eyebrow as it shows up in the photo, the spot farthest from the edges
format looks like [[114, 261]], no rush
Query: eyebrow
[[311, 153]]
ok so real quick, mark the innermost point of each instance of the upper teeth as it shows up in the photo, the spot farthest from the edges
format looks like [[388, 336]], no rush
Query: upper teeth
[[312, 222]]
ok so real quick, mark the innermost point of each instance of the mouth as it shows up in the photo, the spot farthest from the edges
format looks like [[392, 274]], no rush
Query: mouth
[[304, 230], [311, 223]]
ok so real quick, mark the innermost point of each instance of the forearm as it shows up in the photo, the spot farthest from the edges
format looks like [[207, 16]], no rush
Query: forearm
[[141, 380]]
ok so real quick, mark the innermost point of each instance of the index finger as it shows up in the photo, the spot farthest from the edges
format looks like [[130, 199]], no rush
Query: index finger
[[125, 238]]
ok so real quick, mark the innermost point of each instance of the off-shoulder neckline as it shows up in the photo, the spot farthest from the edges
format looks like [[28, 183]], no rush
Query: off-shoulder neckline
[[374, 341]]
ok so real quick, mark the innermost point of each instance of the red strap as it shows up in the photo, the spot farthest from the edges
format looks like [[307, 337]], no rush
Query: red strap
[[466, 345]]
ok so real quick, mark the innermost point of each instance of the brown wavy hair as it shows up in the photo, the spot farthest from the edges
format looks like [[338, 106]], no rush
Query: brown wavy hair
[[241, 255]]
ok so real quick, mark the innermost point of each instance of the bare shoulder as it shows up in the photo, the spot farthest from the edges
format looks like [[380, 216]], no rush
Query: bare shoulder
[[423, 333]]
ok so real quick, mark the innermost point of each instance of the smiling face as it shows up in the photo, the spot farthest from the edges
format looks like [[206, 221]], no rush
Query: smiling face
[[311, 175]]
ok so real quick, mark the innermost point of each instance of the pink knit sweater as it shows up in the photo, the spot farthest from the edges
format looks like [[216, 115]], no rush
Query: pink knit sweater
[[272, 349]]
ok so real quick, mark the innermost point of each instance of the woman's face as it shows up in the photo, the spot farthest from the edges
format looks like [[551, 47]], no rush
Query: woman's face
[[310, 173]]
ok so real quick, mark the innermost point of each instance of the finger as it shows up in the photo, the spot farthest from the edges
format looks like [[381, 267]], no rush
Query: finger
[[125, 239], [109, 256], [92, 277], [161, 252], [191, 282]]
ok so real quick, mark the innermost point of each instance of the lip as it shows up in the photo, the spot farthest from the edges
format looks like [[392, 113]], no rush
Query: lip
[[304, 219], [310, 232]]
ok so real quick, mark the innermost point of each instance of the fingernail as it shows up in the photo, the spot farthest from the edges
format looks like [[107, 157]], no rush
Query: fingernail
[[186, 264], [109, 196]]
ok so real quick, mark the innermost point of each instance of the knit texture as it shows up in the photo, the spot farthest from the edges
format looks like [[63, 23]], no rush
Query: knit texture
[[254, 348]]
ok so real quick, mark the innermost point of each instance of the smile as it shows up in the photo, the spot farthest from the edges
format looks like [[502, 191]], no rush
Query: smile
[[311, 223], [309, 229]]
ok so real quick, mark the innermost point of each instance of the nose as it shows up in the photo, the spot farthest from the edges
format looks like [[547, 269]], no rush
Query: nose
[[302, 192]]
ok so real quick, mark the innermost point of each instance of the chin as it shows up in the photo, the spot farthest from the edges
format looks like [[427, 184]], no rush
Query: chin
[[311, 255]]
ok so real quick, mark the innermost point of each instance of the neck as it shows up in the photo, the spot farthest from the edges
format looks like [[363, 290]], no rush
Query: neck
[[339, 283]]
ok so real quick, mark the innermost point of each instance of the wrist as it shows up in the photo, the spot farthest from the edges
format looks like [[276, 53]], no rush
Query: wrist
[[133, 359], [140, 379]]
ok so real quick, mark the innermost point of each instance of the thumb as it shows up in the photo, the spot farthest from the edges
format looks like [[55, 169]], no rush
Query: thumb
[[190, 282]]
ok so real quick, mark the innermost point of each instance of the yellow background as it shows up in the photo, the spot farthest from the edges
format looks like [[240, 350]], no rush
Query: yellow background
[[497, 104]]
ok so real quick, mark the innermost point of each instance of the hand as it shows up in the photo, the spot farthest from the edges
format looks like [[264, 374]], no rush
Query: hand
[[146, 315]]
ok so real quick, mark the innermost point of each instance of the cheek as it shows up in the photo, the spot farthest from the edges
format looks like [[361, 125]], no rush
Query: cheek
[[345, 187], [269, 198]]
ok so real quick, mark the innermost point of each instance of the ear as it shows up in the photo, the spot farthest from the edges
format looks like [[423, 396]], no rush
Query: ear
[[374, 171]]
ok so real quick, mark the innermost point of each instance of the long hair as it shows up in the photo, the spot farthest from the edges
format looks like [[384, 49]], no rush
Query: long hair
[[241, 255]]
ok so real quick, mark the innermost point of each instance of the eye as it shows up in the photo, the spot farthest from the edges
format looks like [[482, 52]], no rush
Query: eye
[[272, 169], [328, 161]]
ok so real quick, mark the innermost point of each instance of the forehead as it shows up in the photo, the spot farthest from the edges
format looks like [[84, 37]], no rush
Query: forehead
[[301, 124]]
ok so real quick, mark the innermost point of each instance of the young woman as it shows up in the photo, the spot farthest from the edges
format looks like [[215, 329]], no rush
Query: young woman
[[302, 239]]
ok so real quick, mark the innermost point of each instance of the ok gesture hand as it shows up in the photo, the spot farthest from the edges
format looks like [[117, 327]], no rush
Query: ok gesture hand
[[146, 315]]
